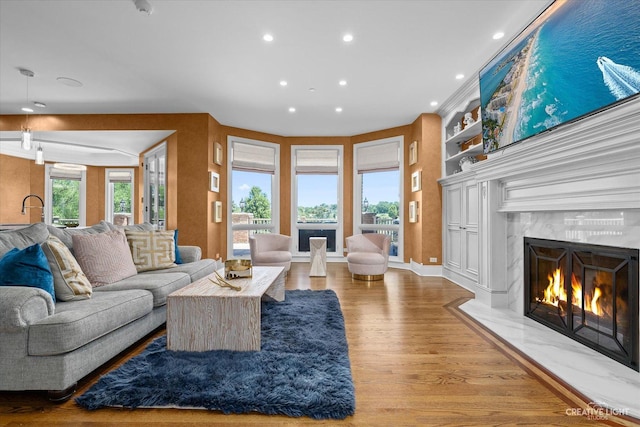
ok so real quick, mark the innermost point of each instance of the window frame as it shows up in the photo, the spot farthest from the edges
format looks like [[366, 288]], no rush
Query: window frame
[[48, 197], [108, 194], [358, 227], [274, 227], [338, 225]]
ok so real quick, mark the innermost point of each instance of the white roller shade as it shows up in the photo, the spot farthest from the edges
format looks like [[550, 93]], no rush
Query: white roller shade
[[379, 157], [67, 174], [253, 157], [317, 162], [120, 176]]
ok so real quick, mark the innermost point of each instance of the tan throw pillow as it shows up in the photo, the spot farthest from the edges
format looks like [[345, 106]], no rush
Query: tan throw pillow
[[152, 250], [105, 257], [69, 282]]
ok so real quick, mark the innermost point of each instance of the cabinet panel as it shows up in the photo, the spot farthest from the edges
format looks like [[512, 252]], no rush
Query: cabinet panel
[[453, 205], [471, 254], [454, 250], [471, 205]]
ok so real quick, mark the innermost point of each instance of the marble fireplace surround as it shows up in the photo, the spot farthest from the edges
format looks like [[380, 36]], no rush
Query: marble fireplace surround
[[578, 183]]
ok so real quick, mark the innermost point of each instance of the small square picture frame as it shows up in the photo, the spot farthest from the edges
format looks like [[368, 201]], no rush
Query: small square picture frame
[[416, 179], [413, 153], [217, 153], [217, 211], [214, 182], [413, 211]]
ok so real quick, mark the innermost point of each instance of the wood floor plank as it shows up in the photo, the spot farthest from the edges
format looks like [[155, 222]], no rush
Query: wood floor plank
[[415, 360]]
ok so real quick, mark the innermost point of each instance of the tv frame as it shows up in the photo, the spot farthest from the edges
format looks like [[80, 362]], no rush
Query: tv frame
[[509, 51]]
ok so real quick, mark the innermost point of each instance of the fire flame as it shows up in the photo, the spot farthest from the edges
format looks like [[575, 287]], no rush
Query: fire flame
[[556, 292]]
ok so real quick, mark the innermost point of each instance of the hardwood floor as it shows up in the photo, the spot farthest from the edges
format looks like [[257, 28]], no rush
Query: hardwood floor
[[415, 360]]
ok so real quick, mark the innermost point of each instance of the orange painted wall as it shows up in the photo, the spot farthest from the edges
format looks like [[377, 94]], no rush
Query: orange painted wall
[[190, 152]]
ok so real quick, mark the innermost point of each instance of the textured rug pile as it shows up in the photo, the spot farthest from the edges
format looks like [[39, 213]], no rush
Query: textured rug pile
[[303, 368]]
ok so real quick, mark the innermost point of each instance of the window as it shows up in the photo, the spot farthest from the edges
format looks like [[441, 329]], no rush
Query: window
[[378, 191], [65, 195], [254, 193], [317, 196], [119, 196], [155, 189]]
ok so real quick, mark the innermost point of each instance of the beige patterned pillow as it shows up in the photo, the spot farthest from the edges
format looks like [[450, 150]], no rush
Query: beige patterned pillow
[[69, 281], [152, 250], [105, 257]]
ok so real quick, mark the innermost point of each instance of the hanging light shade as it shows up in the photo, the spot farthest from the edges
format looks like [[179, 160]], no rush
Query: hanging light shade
[[39, 155], [26, 139]]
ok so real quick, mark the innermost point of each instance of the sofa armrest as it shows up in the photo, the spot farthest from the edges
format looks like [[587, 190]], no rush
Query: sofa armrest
[[21, 306], [190, 253]]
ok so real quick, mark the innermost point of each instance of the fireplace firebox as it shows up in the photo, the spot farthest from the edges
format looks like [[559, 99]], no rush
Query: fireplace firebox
[[587, 292]]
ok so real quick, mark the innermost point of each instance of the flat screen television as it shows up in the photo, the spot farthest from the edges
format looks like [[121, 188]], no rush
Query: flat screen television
[[577, 58]]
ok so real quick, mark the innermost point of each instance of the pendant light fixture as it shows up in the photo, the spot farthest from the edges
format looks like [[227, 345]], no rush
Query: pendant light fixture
[[39, 155], [26, 132]]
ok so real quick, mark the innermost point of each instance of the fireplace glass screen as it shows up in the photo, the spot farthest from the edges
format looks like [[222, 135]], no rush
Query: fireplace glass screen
[[587, 292]]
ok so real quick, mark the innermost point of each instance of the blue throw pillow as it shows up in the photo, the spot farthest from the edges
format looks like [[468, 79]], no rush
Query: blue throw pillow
[[27, 267], [175, 239]]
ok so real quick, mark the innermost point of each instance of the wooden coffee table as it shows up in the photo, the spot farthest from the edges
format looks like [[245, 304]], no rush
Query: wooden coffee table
[[204, 316]]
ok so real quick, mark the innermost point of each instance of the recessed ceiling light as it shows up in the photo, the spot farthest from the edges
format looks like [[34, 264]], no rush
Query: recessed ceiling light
[[342, 82], [283, 82], [292, 109], [459, 76], [27, 109], [434, 103], [498, 35], [347, 38], [267, 37], [69, 82], [338, 109], [40, 104], [312, 89]]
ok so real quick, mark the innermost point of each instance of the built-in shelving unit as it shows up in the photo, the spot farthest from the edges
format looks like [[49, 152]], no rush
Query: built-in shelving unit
[[460, 144]]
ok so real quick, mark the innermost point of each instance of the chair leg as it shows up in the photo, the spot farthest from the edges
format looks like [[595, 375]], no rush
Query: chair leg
[[368, 277]]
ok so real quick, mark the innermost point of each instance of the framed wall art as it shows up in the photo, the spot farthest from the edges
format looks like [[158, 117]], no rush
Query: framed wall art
[[416, 178], [217, 153], [413, 211], [413, 153], [214, 182], [217, 211]]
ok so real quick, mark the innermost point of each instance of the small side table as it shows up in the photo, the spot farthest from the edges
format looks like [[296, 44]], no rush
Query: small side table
[[318, 247]]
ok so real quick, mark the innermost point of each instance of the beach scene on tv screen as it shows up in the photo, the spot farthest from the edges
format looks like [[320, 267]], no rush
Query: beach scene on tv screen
[[577, 57]]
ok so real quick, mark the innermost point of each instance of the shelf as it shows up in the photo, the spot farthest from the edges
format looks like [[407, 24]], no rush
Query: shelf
[[466, 134], [471, 151]]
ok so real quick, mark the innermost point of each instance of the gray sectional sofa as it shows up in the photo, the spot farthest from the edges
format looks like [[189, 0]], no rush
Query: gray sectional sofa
[[50, 345]]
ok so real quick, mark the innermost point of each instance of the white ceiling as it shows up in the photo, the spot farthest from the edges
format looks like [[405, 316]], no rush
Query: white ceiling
[[209, 56]]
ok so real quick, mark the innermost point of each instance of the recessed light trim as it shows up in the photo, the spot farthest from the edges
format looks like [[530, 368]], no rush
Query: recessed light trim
[[498, 35], [312, 89], [292, 109], [27, 109], [39, 104], [434, 103], [283, 83], [459, 76], [342, 82], [338, 109], [347, 38], [267, 37]]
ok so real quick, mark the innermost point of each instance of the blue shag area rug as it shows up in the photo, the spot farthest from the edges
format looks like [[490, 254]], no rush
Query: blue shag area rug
[[303, 368]]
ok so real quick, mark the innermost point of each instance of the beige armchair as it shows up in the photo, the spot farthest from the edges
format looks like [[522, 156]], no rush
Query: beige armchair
[[270, 250], [368, 256]]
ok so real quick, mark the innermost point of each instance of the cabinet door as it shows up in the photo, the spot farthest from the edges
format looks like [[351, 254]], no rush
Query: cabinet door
[[453, 205], [469, 227]]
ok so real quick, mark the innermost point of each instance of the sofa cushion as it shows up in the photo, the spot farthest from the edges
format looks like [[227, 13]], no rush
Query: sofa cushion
[[69, 281], [27, 267], [152, 250], [195, 270], [77, 323], [66, 234], [145, 226], [105, 258], [23, 237], [160, 285]]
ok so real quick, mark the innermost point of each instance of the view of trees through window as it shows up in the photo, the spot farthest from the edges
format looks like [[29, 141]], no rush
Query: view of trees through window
[[66, 199], [121, 197]]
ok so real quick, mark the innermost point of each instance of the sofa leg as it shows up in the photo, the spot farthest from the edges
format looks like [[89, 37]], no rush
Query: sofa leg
[[60, 396]]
